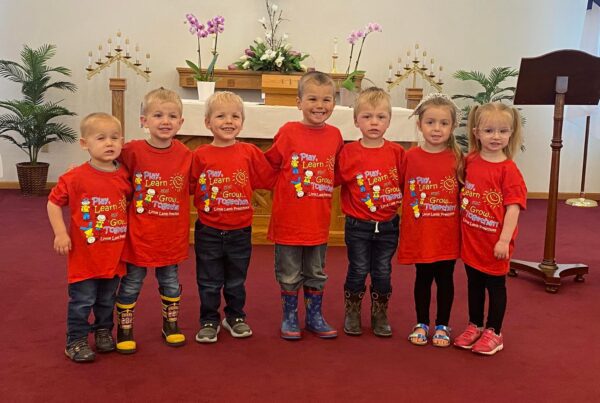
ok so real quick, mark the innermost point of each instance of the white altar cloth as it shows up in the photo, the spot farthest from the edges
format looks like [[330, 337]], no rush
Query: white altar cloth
[[263, 121]]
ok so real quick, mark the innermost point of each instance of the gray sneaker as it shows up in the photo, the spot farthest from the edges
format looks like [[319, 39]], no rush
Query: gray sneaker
[[237, 327], [80, 351], [104, 341], [208, 333]]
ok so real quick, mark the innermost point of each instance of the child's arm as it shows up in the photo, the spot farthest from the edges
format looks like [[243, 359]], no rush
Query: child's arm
[[62, 241], [511, 217]]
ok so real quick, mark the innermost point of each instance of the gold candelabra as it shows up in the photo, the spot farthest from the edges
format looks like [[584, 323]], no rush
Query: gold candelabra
[[117, 84], [334, 56], [415, 66]]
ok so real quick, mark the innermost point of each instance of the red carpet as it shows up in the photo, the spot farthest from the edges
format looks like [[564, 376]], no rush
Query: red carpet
[[551, 353]]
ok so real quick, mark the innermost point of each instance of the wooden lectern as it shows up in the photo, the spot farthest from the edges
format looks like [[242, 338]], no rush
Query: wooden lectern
[[564, 77]]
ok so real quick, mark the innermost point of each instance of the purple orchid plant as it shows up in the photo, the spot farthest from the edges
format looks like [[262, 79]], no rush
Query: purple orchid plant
[[353, 39], [213, 27]]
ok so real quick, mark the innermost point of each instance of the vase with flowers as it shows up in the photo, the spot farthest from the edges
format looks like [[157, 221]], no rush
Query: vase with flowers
[[353, 39], [273, 53], [205, 78]]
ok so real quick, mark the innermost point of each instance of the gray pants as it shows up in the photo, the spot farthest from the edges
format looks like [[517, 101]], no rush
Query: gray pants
[[296, 266]]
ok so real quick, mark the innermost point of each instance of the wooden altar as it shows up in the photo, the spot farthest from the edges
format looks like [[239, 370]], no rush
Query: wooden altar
[[260, 125]]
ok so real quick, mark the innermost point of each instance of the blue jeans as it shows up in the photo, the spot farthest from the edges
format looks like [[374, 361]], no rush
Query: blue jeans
[[131, 283], [222, 260], [95, 294], [370, 252], [300, 265]]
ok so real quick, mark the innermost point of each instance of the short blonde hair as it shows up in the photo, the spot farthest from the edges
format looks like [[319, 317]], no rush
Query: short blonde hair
[[317, 78], [222, 97], [373, 96], [88, 122], [515, 141], [161, 95]]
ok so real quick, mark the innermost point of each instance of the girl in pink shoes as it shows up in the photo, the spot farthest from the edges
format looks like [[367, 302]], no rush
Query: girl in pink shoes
[[430, 215], [492, 197]]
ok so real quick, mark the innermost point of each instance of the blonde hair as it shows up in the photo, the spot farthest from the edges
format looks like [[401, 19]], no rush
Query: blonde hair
[[161, 95], [443, 100], [317, 78], [222, 97], [374, 97], [476, 115], [88, 122]]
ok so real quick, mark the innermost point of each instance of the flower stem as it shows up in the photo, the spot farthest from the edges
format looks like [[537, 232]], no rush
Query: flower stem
[[350, 60], [199, 57], [360, 51]]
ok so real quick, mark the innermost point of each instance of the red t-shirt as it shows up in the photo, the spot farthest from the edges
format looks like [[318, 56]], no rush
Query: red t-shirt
[[306, 158], [160, 211], [371, 187], [430, 229], [223, 179], [489, 188], [97, 202]]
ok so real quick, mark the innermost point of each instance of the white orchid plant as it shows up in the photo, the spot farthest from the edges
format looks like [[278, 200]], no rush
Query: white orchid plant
[[273, 53]]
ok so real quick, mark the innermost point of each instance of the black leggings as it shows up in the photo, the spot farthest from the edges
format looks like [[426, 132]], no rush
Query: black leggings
[[496, 288], [442, 272]]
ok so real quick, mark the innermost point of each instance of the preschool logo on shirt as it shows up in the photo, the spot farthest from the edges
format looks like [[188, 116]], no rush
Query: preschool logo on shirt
[[311, 177], [430, 199], [478, 207], [157, 196], [379, 190], [103, 220], [226, 193]]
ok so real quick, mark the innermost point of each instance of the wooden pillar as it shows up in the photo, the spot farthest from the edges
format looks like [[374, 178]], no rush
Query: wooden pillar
[[413, 97], [118, 87]]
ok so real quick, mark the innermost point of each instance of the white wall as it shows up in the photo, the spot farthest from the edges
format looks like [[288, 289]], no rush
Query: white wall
[[460, 34]]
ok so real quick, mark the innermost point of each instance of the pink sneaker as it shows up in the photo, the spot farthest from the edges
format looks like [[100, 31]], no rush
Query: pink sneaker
[[468, 338], [489, 343]]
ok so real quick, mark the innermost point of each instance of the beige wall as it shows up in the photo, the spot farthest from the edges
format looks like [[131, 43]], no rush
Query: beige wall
[[460, 34]]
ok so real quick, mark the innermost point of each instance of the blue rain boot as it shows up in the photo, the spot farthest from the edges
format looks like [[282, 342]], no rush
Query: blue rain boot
[[313, 299], [290, 329]]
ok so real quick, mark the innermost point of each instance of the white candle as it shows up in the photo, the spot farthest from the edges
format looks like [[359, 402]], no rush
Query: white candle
[[390, 73], [399, 64], [118, 39], [335, 46], [90, 58], [109, 44], [99, 52], [127, 45], [147, 61]]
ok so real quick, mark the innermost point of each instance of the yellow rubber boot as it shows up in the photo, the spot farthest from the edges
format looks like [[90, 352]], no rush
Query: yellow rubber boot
[[170, 311], [125, 342]]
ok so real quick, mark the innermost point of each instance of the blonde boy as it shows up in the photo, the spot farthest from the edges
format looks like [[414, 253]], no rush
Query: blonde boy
[[158, 216], [96, 193], [305, 154], [224, 174]]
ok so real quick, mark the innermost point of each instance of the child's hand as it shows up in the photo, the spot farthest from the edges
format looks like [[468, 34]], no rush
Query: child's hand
[[62, 244], [501, 250]]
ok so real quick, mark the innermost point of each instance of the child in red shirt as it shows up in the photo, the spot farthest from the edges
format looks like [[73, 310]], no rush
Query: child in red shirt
[[305, 154], [493, 195], [430, 220], [158, 217], [368, 171], [224, 174], [96, 194]]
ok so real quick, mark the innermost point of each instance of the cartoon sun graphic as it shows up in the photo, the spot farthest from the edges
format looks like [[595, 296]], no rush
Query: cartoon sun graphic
[[241, 177], [394, 173], [177, 182], [493, 198], [448, 183], [330, 163]]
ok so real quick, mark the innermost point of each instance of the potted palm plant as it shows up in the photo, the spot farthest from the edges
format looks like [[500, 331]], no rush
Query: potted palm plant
[[30, 122], [493, 90]]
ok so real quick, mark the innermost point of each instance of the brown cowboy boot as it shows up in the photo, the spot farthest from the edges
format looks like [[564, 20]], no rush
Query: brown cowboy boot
[[352, 304], [379, 320]]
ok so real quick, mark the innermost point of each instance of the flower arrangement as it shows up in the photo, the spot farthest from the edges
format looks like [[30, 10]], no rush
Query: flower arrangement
[[213, 27], [353, 38], [273, 53]]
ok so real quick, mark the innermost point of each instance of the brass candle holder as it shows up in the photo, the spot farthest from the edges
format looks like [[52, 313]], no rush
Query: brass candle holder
[[416, 66], [334, 56], [117, 84]]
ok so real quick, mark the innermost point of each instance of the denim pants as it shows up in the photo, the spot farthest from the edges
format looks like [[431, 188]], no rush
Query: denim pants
[[95, 294], [300, 265], [222, 260], [131, 283], [371, 247]]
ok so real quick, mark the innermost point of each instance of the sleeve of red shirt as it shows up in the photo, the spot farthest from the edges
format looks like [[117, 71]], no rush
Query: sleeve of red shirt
[[514, 189], [401, 166], [263, 174], [273, 154], [194, 172], [60, 193], [338, 179]]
